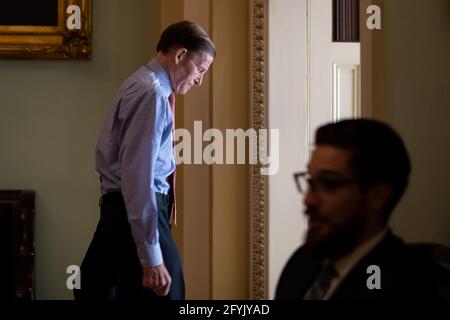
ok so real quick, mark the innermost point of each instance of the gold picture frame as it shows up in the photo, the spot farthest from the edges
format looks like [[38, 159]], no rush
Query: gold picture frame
[[258, 120], [50, 42]]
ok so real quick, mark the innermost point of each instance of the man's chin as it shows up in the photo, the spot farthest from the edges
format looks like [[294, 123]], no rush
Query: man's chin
[[315, 242], [183, 90], [327, 245]]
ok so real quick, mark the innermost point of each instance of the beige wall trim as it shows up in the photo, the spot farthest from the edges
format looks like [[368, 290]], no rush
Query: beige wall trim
[[215, 198], [230, 183], [258, 183], [193, 233], [373, 102]]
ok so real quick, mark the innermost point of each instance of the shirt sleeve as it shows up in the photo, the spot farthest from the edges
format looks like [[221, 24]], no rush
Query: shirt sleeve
[[141, 134]]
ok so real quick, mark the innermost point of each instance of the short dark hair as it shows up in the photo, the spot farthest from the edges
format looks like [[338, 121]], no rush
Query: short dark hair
[[186, 34], [378, 154]]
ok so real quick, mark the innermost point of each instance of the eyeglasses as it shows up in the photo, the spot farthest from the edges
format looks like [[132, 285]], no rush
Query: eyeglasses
[[304, 181]]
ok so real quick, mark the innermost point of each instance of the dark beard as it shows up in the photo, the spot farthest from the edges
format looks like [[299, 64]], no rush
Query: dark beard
[[333, 247]]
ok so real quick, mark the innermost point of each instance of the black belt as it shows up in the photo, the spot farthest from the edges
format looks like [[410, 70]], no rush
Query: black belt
[[117, 196]]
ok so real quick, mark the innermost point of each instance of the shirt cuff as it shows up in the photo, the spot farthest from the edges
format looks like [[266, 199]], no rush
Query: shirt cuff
[[150, 255]]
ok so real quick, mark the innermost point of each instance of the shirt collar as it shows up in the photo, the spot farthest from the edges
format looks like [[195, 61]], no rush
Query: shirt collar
[[346, 263], [162, 75]]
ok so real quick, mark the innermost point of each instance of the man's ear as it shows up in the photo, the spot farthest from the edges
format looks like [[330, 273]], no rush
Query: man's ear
[[180, 54], [379, 194]]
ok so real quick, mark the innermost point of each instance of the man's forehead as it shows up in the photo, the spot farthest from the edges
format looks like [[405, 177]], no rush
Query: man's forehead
[[203, 59], [329, 158]]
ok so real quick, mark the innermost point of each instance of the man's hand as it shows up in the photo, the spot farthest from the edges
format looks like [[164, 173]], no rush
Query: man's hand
[[158, 279]]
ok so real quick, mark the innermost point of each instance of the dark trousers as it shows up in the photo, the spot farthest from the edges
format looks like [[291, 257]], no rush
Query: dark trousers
[[111, 267]]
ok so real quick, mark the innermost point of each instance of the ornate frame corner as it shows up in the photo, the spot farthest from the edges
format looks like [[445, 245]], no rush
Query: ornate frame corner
[[50, 42]]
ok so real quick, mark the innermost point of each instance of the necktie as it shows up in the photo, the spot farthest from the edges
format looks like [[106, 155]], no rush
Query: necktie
[[172, 177], [321, 285]]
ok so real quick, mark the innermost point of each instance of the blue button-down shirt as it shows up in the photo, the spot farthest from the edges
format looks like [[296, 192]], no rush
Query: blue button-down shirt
[[134, 153]]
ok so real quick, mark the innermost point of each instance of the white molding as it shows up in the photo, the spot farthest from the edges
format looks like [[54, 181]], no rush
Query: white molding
[[308, 142], [339, 111]]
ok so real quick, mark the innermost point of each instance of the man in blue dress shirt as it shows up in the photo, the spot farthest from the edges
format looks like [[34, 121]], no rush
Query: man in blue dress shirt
[[132, 254]]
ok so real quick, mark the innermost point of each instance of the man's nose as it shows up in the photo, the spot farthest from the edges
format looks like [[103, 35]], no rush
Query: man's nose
[[199, 80], [311, 197]]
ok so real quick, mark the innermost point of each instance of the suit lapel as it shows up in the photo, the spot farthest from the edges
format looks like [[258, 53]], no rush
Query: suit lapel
[[354, 286]]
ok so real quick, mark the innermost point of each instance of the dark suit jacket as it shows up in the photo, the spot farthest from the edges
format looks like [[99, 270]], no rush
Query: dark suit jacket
[[403, 275]]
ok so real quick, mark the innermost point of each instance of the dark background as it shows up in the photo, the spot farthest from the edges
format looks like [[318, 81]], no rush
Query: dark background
[[29, 13]]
